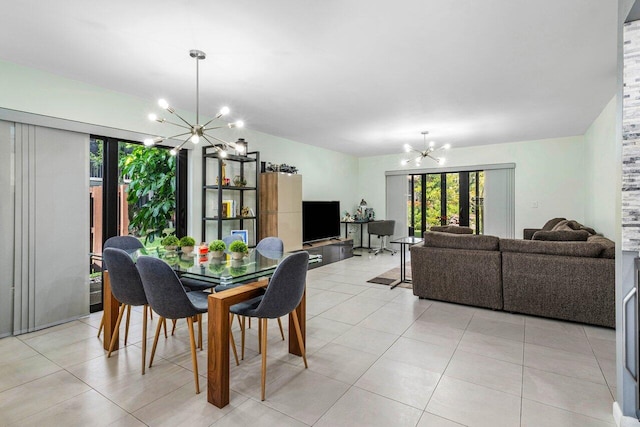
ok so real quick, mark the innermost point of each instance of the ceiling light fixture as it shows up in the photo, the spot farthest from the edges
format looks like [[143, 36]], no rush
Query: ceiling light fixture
[[197, 131], [427, 152]]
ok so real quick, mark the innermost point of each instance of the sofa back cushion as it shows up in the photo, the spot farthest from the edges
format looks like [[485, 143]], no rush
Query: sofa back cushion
[[577, 249], [461, 241], [455, 229], [609, 245], [562, 235]]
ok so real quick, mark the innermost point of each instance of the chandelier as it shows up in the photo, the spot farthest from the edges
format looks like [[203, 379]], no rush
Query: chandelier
[[429, 150], [196, 132]]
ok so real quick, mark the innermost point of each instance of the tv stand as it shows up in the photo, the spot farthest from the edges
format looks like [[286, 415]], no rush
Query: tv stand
[[307, 244], [332, 250]]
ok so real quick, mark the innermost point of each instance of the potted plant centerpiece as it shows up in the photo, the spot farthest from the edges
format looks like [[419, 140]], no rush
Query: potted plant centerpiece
[[238, 249], [187, 244], [217, 248], [170, 242]]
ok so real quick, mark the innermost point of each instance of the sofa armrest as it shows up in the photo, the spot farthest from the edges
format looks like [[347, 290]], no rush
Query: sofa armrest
[[527, 233]]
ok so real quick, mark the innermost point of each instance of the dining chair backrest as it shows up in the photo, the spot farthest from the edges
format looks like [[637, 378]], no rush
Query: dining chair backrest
[[286, 287], [229, 239], [126, 243], [270, 244], [164, 291], [126, 285]]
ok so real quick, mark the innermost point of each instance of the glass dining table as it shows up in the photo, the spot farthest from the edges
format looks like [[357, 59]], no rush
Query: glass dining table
[[247, 271]]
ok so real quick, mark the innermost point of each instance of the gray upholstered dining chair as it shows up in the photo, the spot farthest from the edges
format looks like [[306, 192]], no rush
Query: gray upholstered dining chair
[[126, 243], [267, 247], [126, 287], [282, 296], [382, 229], [168, 298]]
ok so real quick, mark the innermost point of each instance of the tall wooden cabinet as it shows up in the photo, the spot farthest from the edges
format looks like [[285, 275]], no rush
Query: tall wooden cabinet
[[281, 208]]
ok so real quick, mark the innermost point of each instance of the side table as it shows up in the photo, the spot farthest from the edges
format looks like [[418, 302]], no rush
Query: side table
[[404, 242]]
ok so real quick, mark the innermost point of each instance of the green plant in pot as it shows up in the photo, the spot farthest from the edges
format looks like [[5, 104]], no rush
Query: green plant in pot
[[238, 249], [217, 248], [187, 244], [170, 243]]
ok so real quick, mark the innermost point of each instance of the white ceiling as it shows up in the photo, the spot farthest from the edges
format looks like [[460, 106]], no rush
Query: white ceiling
[[360, 77]]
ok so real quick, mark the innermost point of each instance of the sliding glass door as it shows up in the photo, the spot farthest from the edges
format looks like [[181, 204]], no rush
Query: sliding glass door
[[453, 198]]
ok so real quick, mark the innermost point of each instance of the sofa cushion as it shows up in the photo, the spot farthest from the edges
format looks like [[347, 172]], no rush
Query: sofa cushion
[[578, 249], [451, 229], [562, 235], [548, 226], [567, 225], [608, 244], [461, 241]]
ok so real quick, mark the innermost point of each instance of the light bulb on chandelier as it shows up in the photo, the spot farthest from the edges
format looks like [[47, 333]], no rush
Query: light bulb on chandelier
[[196, 132], [429, 150]]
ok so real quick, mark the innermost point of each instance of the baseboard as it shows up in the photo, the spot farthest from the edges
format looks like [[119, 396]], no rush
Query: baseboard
[[621, 420]]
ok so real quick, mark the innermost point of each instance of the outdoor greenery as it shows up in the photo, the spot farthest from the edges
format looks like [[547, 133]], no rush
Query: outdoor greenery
[[433, 195], [187, 241], [238, 246], [217, 246], [151, 191]]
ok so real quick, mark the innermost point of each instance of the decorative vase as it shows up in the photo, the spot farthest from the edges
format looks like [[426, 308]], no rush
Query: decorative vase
[[217, 254], [237, 255], [187, 250]]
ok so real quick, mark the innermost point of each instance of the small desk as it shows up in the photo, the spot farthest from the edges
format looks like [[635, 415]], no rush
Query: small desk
[[404, 242], [346, 233]]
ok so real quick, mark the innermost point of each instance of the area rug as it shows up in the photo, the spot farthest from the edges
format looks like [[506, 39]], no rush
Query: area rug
[[392, 277]]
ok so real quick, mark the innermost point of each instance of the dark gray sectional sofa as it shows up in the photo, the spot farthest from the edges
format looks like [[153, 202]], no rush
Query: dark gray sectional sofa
[[568, 280]]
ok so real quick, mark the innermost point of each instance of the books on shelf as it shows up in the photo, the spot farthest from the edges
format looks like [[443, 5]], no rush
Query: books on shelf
[[229, 209]]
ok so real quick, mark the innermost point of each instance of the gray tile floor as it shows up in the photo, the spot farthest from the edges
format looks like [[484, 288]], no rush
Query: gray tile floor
[[377, 357]]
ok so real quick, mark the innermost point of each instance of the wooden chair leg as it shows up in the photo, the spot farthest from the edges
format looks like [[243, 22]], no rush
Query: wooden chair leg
[[281, 330], [199, 319], [259, 335], [296, 324], [263, 344], [173, 330], [126, 328], [249, 322], [114, 337], [194, 359], [101, 325], [242, 329], [144, 335], [155, 340], [164, 323], [232, 342]]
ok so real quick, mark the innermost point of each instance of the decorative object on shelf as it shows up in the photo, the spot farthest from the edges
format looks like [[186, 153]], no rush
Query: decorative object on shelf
[[170, 242], [187, 244], [239, 181], [242, 147], [242, 233], [284, 168], [196, 131], [428, 151], [370, 214], [217, 248], [203, 249], [347, 217], [238, 249], [247, 212]]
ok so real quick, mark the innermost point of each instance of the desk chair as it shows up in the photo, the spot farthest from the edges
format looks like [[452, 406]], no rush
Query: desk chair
[[382, 229]]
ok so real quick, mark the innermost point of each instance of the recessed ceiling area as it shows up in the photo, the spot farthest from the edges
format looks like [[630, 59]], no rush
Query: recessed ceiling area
[[359, 77]]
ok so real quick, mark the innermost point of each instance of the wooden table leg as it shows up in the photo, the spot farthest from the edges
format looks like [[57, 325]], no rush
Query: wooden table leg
[[110, 306], [218, 339], [294, 347]]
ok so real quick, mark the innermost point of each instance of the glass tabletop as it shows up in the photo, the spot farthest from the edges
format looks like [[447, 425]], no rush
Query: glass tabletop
[[224, 270], [411, 240]]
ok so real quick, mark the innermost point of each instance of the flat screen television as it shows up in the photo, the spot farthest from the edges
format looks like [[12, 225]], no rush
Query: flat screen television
[[320, 220]]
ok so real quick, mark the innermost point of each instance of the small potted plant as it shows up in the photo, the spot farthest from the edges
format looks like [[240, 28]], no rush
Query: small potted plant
[[238, 249], [187, 244], [170, 242], [217, 248]]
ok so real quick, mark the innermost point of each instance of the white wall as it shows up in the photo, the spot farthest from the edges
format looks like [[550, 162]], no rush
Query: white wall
[[600, 178], [548, 173]]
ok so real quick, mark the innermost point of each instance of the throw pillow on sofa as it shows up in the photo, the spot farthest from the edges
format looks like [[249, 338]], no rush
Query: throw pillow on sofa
[[548, 226], [562, 235]]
